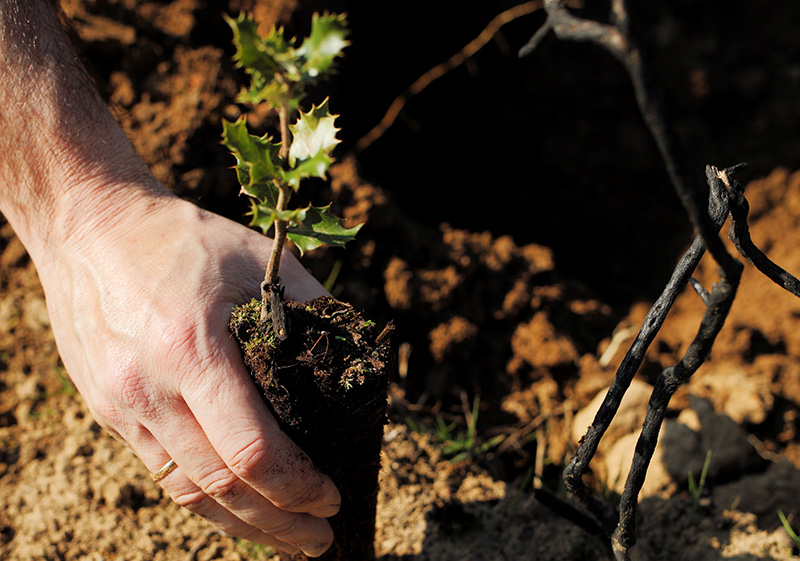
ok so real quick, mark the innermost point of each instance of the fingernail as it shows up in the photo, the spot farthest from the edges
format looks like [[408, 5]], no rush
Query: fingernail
[[325, 511], [314, 549]]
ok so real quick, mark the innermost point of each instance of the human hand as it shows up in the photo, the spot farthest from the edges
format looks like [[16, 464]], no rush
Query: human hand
[[139, 286], [139, 304]]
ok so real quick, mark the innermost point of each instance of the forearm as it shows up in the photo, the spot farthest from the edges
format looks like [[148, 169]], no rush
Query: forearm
[[65, 164]]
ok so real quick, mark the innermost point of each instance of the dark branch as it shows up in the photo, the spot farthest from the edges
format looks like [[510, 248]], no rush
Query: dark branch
[[579, 464], [618, 39], [726, 195], [719, 305], [740, 232]]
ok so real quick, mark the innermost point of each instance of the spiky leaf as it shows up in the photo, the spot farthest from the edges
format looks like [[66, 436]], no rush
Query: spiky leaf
[[323, 45], [316, 226], [255, 53], [311, 167], [257, 162], [261, 216], [265, 215], [312, 134], [264, 59], [278, 70], [273, 93]]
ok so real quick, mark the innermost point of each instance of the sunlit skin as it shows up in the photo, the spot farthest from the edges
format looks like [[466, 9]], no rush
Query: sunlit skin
[[139, 286]]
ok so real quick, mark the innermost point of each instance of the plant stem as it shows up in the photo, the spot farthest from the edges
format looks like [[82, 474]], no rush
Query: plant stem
[[271, 275], [271, 280]]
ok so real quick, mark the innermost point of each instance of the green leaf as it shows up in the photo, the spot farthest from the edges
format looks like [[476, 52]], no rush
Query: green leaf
[[273, 93], [261, 216], [288, 215], [254, 52], [323, 45], [312, 134], [312, 167], [264, 215], [279, 70], [257, 163], [316, 226], [264, 59]]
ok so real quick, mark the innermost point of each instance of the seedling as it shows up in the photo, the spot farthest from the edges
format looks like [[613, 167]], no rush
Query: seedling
[[322, 369], [465, 444], [270, 172], [789, 530], [696, 487]]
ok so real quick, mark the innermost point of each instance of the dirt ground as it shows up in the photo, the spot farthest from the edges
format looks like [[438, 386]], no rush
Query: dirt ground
[[519, 224]]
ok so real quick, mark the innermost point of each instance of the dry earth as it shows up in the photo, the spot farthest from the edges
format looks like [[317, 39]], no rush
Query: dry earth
[[524, 292]]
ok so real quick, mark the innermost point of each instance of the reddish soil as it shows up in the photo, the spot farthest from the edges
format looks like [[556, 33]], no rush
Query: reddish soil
[[519, 223]]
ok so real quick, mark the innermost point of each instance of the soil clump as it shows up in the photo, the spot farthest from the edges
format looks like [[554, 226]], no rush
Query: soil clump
[[327, 384]]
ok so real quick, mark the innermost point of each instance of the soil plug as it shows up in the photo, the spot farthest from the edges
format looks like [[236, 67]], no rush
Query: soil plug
[[323, 369]]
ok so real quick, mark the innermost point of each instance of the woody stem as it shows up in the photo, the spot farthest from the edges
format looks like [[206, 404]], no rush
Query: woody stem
[[273, 266]]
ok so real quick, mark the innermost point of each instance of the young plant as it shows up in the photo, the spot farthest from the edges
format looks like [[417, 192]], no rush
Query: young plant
[[270, 171], [327, 382], [696, 488], [789, 530], [464, 444]]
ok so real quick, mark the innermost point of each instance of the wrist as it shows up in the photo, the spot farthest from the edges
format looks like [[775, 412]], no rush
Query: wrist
[[78, 199], [66, 165]]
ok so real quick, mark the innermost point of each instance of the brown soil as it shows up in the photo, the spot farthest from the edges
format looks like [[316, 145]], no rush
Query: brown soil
[[546, 228]]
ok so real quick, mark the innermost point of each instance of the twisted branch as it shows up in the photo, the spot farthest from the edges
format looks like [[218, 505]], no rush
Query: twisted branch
[[579, 464], [726, 196]]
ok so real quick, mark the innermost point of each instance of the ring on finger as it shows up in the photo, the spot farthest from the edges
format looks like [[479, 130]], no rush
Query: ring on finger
[[168, 468]]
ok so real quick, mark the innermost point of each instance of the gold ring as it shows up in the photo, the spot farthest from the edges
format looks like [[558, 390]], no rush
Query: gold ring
[[168, 468]]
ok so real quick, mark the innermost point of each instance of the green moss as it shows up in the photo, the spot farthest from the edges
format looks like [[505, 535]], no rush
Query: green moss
[[256, 339]]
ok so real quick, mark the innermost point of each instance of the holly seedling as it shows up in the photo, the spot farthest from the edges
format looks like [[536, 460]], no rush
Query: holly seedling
[[269, 171]]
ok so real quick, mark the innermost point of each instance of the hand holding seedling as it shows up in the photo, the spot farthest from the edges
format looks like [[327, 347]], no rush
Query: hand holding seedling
[[332, 396], [139, 285]]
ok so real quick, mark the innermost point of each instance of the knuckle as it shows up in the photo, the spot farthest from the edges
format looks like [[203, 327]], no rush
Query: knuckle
[[295, 483], [252, 534], [252, 461], [298, 500], [130, 390], [185, 351], [176, 345], [195, 500], [224, 486]]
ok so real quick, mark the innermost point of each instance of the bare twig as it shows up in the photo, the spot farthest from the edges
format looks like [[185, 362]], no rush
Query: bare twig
[[719, 304], [441, 69], [617, 38], [740, 233], [579, 464]]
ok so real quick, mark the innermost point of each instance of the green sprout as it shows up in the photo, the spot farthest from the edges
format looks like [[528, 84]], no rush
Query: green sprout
[[269, 171], [789, 530], [252, 550], [465, 444], [696, 487]]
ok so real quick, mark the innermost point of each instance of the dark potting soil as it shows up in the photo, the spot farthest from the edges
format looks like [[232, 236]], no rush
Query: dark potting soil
[[327, 386]]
